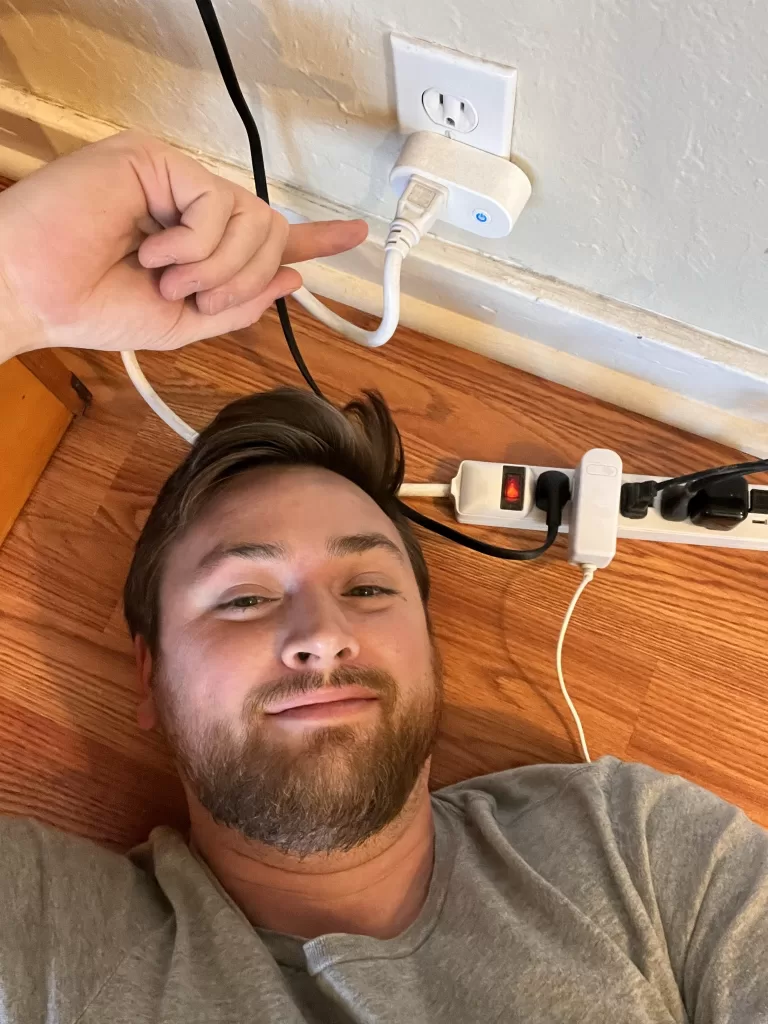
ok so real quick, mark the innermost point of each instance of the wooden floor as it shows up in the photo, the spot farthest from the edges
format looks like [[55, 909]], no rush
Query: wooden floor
[[665, 659]]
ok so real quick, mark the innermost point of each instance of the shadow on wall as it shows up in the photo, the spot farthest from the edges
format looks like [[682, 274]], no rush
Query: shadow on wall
[[296, 56], [21, 133]]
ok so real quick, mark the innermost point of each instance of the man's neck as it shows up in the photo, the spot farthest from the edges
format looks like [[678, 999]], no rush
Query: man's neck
[[376, 889]]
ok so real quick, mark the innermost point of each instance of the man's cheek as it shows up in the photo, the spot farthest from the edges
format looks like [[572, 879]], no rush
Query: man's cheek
[[217, 692]]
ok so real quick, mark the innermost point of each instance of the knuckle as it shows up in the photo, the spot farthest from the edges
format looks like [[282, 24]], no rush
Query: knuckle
[[196, 250], [259, 280], [280, 221], [281, 227], [260, 223]]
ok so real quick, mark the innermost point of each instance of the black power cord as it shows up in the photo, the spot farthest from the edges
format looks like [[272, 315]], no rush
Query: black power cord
[[637, 498], [224, 61], [552, 491], [718, 472]]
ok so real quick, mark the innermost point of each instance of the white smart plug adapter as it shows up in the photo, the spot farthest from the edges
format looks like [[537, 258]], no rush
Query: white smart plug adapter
[[595, 501], [486, 193]]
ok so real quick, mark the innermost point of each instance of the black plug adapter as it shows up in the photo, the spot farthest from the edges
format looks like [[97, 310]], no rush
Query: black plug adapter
[[720, 505], [675, 500], [637, 498], [552, 494]]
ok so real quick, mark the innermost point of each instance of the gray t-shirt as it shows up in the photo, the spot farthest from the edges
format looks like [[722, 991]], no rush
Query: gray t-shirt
[[603, 893]]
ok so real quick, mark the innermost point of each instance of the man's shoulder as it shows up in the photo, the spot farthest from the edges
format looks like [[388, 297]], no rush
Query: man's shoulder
[[72, 911], [608, 796], [609, 787], [521, 790], [29, 842], [32, 843], [73, 872]]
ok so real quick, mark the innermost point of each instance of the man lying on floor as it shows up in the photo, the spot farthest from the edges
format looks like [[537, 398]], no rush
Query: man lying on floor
[[278, 603]]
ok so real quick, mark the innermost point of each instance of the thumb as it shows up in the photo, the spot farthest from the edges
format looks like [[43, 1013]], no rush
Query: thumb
[[193, 325]]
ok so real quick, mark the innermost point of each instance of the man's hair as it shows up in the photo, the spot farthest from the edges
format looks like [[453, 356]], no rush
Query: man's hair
[[284, 427]]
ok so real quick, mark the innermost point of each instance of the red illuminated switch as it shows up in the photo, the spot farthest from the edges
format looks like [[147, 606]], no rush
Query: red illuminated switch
[[513, 488]]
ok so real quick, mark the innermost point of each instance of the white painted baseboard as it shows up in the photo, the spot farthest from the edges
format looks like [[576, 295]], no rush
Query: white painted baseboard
[[633, 358]]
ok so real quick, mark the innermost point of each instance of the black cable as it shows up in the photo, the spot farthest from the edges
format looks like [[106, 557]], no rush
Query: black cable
[[639, 496], [511, 554], [718, 472], [224, 61], [229, 76]]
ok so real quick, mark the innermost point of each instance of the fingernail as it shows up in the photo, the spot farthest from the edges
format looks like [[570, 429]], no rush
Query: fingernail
[[159, 261], [181, 291], [220, 302]]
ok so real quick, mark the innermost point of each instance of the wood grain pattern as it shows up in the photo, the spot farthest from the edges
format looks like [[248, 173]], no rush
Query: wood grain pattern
[[33, 422], [665, 657], [49, 369]]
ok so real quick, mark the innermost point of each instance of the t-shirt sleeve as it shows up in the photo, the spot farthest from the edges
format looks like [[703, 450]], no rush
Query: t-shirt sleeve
[[703, 866], [69, 912]]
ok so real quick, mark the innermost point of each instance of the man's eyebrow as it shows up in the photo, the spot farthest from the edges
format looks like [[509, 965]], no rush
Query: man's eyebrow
[[359, 543], [223, 552]]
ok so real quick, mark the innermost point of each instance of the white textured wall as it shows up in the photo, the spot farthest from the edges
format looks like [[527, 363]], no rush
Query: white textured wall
[[644, 125]]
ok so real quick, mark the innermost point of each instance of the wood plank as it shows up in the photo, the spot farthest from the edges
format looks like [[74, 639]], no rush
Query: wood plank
[[51, 371], [34, 421]]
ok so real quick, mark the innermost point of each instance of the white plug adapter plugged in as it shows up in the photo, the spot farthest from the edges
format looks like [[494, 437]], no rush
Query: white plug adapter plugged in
[[595, 502], [486, 193]]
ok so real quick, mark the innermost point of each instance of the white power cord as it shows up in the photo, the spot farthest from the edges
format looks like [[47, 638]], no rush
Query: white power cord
[[154, 401], [589, 572], [390, 315], [424, 491], [417, 210], [594, 525]]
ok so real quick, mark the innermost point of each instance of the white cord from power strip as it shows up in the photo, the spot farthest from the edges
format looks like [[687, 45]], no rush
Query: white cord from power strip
[[589, 572]]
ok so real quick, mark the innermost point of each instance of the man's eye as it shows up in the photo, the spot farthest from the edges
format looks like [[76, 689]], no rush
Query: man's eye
[[368, 590], [245, 601]]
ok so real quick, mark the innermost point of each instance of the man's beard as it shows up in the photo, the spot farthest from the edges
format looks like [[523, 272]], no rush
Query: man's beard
[[329, 790]]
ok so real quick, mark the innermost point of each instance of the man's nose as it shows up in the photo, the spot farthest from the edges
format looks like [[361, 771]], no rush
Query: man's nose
[[319, 637]]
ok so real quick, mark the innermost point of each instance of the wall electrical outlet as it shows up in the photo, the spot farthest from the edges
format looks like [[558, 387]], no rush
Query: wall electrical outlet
[[443, 91]]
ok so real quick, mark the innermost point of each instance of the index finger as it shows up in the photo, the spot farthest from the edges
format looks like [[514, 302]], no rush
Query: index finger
[[322, 238]]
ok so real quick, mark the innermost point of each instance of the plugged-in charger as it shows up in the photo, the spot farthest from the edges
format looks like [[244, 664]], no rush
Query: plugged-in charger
[[595, 509], [486, 193]]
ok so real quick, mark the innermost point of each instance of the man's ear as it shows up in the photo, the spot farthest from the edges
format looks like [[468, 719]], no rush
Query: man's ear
[[146, 714]]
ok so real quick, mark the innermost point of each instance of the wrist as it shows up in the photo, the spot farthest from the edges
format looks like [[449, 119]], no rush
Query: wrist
[[18, 333]]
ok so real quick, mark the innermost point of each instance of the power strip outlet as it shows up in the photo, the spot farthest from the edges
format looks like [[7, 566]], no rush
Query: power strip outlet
[[494, 494]]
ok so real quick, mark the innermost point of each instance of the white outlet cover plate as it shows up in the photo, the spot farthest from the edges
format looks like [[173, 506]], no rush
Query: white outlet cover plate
[[488, 86]]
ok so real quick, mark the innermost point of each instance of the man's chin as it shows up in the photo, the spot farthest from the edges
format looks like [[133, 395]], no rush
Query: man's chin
[[310, 783], [318, 791]]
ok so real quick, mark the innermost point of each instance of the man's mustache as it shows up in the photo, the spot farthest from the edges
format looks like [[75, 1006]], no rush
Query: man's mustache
[[297, 683]]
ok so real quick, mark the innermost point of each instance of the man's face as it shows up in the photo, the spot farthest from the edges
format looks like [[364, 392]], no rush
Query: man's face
[[296, 681]]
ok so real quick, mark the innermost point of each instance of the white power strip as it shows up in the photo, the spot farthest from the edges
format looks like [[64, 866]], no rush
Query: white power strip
[[476, 488]]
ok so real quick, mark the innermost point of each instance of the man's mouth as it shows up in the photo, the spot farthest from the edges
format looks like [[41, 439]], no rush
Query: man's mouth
[[324, 705]]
